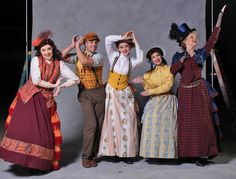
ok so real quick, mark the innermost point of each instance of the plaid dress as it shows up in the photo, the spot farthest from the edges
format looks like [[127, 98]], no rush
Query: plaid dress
[[196, 133]]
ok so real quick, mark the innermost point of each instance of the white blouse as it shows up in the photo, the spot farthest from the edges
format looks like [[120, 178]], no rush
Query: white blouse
[[122, 64], [35, 74]]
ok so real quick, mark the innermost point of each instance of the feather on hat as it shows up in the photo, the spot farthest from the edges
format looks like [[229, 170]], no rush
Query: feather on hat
[[41, 37]]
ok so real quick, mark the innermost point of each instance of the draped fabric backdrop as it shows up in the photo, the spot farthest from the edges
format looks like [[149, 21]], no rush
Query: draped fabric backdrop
[[150, 19]]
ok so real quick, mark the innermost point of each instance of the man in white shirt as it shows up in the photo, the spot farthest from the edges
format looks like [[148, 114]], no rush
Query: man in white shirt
[[88, 67]]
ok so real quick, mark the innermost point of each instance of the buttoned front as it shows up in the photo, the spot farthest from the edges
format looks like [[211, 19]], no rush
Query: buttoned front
[[159, 80]]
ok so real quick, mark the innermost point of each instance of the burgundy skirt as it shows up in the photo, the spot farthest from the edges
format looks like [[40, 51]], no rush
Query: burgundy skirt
[[196, 133], [29, 138]]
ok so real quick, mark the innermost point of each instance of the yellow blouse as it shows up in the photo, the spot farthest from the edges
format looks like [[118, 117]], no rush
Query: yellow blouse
[[158, 81]]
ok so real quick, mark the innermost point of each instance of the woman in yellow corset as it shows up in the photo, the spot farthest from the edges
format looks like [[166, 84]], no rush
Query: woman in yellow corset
[[119, 133], [158, 138]]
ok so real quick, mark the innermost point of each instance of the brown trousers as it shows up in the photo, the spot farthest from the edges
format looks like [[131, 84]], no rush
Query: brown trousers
[[93, 107]]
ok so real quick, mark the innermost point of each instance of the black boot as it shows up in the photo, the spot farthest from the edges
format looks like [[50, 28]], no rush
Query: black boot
[[128, 160], [115, 159], [200, 162]]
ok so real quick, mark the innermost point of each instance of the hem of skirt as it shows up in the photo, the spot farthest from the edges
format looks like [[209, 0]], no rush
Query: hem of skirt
[[25, 160], [113, 155], [199, 155], [160, 157]]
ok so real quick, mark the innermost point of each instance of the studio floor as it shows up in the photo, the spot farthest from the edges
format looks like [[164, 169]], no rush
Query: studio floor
[[222, 167]]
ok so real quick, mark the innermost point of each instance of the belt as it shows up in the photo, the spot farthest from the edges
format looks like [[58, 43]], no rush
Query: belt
[[192, 85]]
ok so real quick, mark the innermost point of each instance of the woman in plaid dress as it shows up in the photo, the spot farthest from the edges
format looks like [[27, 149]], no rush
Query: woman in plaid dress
[[196, 130]]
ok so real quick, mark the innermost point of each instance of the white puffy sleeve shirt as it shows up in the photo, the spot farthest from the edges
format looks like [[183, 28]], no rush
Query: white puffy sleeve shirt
[[122, 64], [97, 59], [35, 74]]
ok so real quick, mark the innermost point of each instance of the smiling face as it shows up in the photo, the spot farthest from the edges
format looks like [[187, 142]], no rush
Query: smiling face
[[91, 45], [47, 52], [156, 58], [191, 40], [124, 48]]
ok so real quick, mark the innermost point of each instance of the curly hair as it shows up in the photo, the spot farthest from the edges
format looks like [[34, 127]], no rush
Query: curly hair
[[48, 41]]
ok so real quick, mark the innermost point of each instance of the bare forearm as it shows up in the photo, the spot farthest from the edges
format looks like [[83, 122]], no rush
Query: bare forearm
[[69, 83], [86, 61], [46, 84], [66, 51]]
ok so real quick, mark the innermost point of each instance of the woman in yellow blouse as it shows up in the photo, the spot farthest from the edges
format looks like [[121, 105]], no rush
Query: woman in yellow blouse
[[158, 138]]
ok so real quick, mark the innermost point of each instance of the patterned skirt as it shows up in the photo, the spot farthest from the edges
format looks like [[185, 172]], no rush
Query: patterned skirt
[[32, 137], [159, 132], [119, 132]]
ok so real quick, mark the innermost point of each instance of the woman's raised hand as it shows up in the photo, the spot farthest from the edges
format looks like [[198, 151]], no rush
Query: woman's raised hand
[[127, 35], [218, 23], [223, 9], [134, 38]]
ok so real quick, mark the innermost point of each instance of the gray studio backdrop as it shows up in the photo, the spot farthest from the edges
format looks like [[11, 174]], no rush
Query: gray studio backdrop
[[150, 19]]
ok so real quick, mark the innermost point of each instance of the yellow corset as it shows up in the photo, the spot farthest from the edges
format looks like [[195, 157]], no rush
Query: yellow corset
[[118, 81]]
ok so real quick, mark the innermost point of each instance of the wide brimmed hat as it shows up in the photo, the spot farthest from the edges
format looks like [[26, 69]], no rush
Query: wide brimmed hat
[[179, 33], [91, 36], [41, 37], [128, 41]]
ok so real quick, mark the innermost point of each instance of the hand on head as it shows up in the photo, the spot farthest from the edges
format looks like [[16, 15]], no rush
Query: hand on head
[[127, 35], [134, 38], [130, 35], [80, 41], [74, 40]]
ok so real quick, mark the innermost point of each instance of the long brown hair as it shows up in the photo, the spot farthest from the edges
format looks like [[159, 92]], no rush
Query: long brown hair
[[48, 41]]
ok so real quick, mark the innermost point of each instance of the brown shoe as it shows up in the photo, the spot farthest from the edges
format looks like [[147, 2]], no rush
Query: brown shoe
[[86, 163], [93, 163]]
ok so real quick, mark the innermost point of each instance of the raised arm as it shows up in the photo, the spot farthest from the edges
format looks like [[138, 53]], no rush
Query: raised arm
[[139, 52], [84, 59], [65, 52], [215, 34], [111, 51]]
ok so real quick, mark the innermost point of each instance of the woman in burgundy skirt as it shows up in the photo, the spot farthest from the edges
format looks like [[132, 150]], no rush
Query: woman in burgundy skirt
[[33, 136], [196, 132]]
